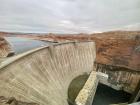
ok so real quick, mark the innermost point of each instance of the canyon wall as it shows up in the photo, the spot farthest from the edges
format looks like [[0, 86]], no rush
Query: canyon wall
[[119, 78]]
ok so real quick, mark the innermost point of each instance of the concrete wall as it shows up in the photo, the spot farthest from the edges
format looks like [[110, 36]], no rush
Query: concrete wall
[[86, 95], [43, 75]]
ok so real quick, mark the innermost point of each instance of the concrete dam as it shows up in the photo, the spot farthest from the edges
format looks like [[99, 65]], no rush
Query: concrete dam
[[59, 74], [43, 75]]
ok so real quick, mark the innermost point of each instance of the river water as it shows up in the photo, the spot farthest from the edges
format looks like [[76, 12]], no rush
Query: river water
[[20, 45], [106, 96]]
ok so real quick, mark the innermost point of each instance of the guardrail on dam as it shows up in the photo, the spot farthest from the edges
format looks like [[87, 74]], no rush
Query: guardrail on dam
[[44, 75]]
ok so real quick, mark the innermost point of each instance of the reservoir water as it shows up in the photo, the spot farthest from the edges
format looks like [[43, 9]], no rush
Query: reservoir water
[[20, 45]]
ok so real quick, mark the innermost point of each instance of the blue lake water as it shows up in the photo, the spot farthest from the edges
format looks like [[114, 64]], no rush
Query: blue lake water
[[20, 45]]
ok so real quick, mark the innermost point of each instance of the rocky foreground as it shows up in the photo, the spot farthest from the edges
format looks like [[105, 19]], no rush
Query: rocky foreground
[[13, 101]]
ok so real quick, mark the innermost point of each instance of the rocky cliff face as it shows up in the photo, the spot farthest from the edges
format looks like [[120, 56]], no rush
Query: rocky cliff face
[[118, 52], [119, 77], [5, 48]]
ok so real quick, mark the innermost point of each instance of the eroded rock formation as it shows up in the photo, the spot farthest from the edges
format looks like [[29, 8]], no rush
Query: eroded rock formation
[[5, 48]]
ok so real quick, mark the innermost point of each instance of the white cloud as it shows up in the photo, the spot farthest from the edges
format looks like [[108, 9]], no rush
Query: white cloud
[[67, 15], [132, 27]]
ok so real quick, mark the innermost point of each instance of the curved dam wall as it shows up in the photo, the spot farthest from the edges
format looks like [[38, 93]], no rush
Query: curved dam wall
[[43, 75]]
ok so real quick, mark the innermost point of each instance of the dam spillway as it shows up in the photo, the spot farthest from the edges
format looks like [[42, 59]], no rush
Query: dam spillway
[[43, 75]]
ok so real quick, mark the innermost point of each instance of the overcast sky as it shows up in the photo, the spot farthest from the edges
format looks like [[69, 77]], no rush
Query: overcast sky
[[69, 16]]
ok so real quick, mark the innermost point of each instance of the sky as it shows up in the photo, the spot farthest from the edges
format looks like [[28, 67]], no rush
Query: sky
[[69, 16]]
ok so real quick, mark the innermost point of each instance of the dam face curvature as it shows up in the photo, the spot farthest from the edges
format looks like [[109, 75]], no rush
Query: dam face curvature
[[43, 75]]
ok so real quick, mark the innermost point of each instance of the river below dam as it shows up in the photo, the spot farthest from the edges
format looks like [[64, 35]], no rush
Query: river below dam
[[107, 96]]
